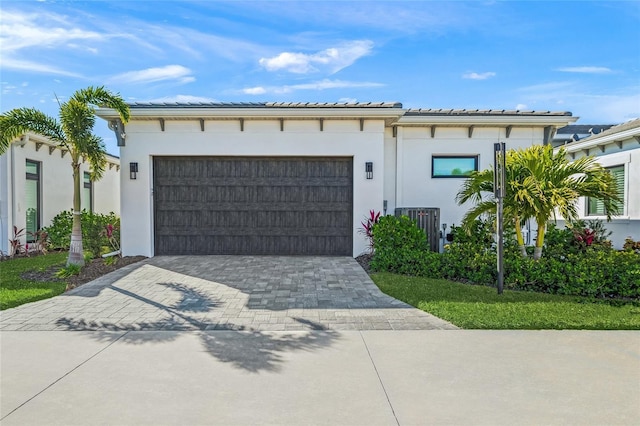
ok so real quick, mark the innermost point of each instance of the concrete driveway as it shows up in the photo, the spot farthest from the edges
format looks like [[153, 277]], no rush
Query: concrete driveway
[[188, 341], [264, 293]]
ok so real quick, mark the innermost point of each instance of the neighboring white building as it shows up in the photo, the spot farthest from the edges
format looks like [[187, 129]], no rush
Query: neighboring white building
[[280, 178], [37, 183], [617, 149]]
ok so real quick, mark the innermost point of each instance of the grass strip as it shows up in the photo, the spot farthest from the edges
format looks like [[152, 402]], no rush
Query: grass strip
[[15, 291], [480, 307]]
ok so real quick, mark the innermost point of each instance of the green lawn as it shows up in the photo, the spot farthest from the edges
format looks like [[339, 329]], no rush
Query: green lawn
[[15, 291], [480, 307]]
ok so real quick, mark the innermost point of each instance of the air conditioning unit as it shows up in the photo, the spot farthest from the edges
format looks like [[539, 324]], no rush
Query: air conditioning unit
[[427, 219]]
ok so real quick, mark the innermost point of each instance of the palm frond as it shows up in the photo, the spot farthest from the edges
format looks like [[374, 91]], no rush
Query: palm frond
[[17, 122], [103, 98]]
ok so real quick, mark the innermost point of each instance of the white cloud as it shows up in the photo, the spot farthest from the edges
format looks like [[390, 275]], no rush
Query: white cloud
[[183, 99], [152, 75], [586, 70], [478, 76], [27, 31], [258, 90], [521, 107], [316, 85], [348, 100], [332, 60], [332, 84], [10, 63], [21, 30]]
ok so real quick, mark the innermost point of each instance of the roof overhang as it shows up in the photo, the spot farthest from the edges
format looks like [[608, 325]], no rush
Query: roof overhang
[[485, 120], [601, 141]]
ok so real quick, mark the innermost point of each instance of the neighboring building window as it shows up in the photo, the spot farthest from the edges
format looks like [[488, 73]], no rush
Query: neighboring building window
[[595, 207], [86, 198], [453, 166], [32, 199]]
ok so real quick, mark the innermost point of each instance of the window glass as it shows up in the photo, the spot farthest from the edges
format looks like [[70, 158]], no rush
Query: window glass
[[595, 207], [87, 193], [453, 167], [32, 198]]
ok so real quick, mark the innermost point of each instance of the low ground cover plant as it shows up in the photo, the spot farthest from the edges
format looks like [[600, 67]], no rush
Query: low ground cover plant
[[577, 261]]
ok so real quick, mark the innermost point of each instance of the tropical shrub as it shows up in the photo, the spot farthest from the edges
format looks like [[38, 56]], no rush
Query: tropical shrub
[[94, 231], [570, 265], [631, 246], [399, 245]]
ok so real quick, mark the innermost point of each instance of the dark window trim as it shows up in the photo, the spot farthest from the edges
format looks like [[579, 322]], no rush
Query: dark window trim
[[437, 157], [88, 185], [36, 177]]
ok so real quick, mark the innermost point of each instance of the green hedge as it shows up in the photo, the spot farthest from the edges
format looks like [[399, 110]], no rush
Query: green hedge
[[595, 271], [94, 238]]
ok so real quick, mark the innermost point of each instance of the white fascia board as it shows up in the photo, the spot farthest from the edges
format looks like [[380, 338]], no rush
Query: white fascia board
[[235, 113], [478, 120], [35, 137], [603, 140]]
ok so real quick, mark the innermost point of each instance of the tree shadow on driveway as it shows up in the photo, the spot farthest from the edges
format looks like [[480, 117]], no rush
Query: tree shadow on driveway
[[240, 346]]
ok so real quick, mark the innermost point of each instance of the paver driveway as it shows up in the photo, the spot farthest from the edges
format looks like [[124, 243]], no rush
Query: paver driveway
[[226, 293]]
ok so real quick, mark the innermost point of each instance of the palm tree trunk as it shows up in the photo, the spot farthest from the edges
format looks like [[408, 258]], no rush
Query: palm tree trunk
[[537, 252], [76, 252], [519, 237]]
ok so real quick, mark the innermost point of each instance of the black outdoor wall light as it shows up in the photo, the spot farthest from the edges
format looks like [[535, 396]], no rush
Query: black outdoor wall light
[[133, 171], [368, 168]]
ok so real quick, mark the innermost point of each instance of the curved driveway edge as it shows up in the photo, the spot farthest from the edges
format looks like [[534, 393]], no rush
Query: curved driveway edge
[[270, 293]]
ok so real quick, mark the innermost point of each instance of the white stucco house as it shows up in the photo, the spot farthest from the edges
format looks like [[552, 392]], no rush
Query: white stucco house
[[297, 178], [36, 183], [618, 150]]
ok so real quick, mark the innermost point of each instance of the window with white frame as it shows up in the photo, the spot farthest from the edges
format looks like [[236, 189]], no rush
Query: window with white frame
[[595, 207]]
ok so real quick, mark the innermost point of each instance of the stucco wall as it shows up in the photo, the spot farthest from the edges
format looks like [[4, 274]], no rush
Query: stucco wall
[[260, 138], [628, 223], [56, 187], [414, 185]]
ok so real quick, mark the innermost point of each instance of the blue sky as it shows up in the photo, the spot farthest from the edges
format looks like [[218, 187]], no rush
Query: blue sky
[[582, 57]]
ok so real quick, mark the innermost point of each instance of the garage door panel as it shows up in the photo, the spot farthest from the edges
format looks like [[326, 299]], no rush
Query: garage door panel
[[253, 205], [243, 231], [254, 181]]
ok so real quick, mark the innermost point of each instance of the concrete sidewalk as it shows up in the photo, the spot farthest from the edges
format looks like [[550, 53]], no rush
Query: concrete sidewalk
[[417, 377]]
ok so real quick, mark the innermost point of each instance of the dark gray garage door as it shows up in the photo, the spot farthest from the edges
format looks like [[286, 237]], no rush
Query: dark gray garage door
[[253, 205]]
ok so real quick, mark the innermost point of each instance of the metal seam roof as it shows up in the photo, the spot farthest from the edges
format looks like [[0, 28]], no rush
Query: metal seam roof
[[482, 112], [337, 105], [615, 129], [266, 105]]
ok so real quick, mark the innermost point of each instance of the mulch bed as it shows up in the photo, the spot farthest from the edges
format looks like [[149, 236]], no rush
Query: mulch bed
[[91, 270], [364, 260]]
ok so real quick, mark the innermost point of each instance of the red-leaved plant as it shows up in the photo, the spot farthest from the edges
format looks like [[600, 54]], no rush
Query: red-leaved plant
[[15, 243], [111, 236], [367, 226]]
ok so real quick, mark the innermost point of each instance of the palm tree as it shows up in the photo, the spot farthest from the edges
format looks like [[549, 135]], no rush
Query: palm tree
[[74, 133], [539, 183], [478, 188]]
